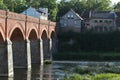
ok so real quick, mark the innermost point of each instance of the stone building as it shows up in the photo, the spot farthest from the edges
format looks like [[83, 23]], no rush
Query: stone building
[[100, 20], [71, 21]]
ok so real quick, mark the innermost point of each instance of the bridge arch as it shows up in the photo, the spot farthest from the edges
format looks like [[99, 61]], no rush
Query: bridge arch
[[16, 26], [45, 41], [19, 48], [34, 46], [2, 35], [52, 43], [3, 57], [33, 28]]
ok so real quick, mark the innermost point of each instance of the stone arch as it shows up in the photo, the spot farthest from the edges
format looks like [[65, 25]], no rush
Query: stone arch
[[34, 47], [32, 29], [52, 34], [45, 31], [19, 48], [1, 38], [44, 38], [3, 55], [16, 26], [2, 34], [52, 43], [16, 35]]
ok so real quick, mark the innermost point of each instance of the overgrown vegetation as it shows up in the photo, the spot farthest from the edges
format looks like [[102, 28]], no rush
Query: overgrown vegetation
[[107, 76], [86, 45]]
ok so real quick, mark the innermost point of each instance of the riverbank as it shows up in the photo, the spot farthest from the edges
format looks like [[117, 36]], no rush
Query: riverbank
[[87, 56]]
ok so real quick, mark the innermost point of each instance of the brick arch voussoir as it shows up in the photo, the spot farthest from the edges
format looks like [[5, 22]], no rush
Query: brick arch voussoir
[[30, 29], [19, 27], [52, 31], [2, 33], [42, 33]]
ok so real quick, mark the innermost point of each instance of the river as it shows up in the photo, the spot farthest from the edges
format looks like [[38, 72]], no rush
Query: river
[[55, 71]]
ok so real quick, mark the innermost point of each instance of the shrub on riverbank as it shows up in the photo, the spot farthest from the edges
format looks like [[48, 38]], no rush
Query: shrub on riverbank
[[89, 41], [85, 56], [108, 76]]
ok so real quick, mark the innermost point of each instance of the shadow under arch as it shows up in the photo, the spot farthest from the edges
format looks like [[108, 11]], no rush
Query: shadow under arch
[[44, 38], [19, 49], [52, 43], [34, 47], [3, 56]]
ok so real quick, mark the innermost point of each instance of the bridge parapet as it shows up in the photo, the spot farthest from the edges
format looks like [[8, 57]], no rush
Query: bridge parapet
[[52, 23], [2, 13], [17, 16], [45, 22], [32, 19]]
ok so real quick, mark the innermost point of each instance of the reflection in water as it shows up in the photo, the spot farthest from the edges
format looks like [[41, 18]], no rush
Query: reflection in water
[[54, 71], [39, 72], [28, 74]]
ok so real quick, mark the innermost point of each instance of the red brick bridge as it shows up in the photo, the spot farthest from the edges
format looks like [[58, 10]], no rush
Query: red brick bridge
[[24, 40]]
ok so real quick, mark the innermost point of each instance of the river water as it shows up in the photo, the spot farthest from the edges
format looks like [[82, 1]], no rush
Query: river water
[[55, 71]]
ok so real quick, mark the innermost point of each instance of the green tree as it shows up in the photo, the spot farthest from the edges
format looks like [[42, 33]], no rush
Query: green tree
[[15, 5], [2, 5], [81, 5], [117, 7], [52, 8]]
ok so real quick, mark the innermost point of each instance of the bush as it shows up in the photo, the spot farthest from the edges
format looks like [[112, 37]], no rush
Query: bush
[[108, 76], [90, 41], [74, 77]]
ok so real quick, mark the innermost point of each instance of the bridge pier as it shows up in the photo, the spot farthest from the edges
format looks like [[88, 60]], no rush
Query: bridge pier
[[50, 48], [41, 52], [28, 55], [10, 59]]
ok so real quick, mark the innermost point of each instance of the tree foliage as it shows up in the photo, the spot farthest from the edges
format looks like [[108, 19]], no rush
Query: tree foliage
[[59, 8], [117, 7], [81, 5]]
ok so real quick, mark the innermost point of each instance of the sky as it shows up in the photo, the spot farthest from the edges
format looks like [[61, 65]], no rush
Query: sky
[[115, 1]]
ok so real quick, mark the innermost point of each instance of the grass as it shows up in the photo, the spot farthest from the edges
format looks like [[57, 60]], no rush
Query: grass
[[87, 56], [105, 76]]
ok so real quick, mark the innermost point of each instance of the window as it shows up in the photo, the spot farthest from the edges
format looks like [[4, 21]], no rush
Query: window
[[110, 21], [72, 16], [101, 21], [95, 21]]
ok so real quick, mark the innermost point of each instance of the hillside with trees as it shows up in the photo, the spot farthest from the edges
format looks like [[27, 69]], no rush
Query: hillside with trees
[[58, 9]]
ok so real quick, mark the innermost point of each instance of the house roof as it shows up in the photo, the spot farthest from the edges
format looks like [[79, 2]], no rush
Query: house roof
[[31, 12], [103, 14], [34, 12], [74, 13], [99, 14]]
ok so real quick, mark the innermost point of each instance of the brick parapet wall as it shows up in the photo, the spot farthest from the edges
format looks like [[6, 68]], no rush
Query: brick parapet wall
[[12, 15]]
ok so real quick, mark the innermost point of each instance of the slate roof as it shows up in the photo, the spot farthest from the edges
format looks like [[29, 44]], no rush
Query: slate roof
[[74, 13], [98, 14], [103, 14], [34, 12]]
